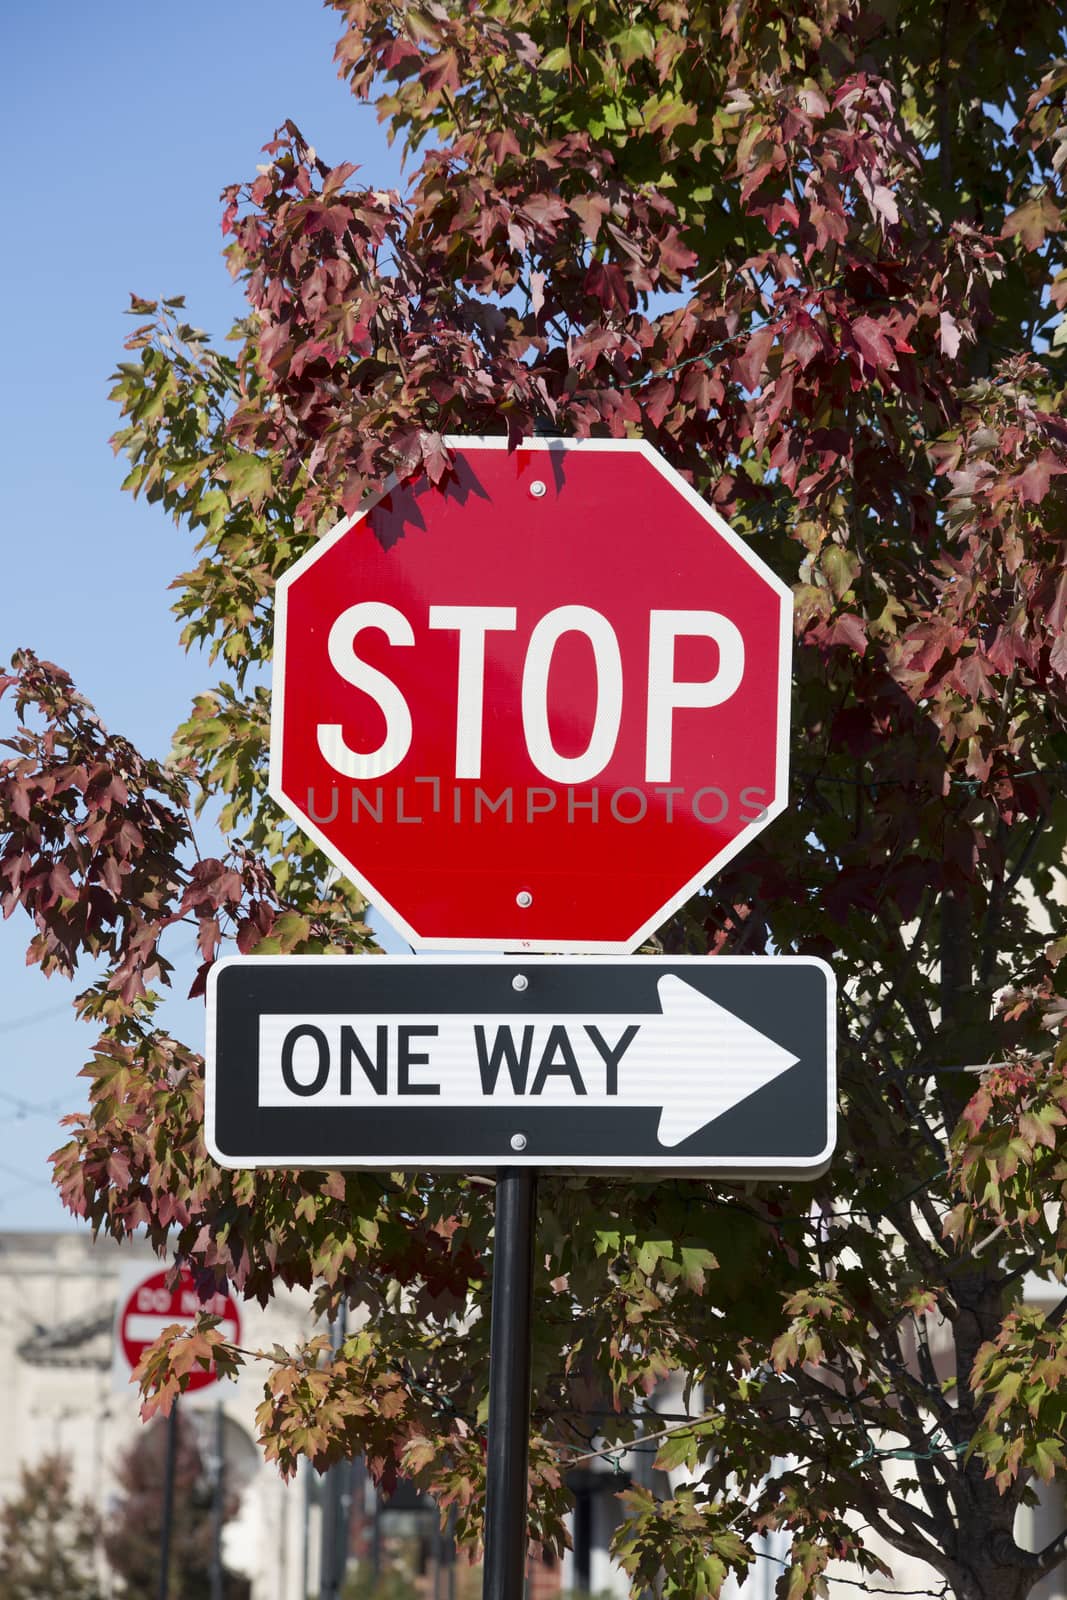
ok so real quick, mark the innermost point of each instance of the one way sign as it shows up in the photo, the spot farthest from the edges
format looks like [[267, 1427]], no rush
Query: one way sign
[[682, 1064]]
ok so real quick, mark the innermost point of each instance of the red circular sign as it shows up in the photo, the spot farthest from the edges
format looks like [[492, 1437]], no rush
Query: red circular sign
[[152, 1306], [537, 707]]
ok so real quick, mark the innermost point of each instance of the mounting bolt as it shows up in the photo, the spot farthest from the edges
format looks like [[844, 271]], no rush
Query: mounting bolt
[[520, 981], [538, 489], [518, 1141], [524, 898]]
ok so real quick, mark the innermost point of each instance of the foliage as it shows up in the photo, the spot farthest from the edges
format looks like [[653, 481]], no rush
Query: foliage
[[689, 1546], [48, 1540], [133, 1535], [815, 254], [389, 1585]]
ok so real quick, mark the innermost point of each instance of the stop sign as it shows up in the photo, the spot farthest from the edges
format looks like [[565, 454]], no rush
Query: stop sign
[[534, 708], [150, 1306]]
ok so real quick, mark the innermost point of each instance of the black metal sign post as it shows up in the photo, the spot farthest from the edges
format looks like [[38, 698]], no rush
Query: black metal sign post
[[509, 1385], [169, 1462]]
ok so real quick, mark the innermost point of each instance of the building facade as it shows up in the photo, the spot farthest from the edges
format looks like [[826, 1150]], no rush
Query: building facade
[[62, 1392]]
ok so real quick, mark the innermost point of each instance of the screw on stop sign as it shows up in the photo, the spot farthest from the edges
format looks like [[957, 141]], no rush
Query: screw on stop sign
[[537, 706]]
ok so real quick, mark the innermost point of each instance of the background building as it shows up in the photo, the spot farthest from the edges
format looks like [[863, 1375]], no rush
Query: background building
[[58, 1395], [61, 1394]]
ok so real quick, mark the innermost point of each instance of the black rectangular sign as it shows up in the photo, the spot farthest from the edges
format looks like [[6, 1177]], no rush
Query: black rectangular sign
[[684, 1064]]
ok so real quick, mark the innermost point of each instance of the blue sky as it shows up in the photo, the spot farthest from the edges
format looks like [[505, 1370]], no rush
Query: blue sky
[[124, 121]]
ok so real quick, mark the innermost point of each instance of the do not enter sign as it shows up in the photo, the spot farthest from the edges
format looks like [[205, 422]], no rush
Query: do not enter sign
[[536, 707], [150, 1306]]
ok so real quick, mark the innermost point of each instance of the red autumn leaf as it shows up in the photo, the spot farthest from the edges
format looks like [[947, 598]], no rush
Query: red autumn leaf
[[435, 456], [802, 339], [848, 629], [591, 210], [874, 345], [61, 881], [657, 400], [606, 282], [778, 212], [1032, 221], [750, 364], [1058, 655], [208, 938], [1032, 484], [198, 987], [111, 874], [1056, 619]]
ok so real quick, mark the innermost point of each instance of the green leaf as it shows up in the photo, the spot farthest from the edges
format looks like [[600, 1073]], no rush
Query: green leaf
[[249, 477], [557, 60], [841, 567], [634, 44], [696, 1261], [651, 1251], [1047, 1459]]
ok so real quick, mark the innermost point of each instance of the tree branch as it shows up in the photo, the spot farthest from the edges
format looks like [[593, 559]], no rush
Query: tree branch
[[909, 1542], [1026, 855], [917, 1016]]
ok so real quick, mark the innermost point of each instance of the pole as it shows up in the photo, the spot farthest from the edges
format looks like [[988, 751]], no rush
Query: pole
[[343, 1522], [169, 1461], [328, 1537], [438, 1556], [305, 1470], [334, 1545], [509, 1386], [376, 1535], [582, 1538], [218, 1469]]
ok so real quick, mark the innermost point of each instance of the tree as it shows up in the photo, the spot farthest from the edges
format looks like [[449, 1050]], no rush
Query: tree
[[815, 254], [133, 1535], [48, 1540]]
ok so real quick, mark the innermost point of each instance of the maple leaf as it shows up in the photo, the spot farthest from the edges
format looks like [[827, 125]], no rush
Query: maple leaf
[[1032, 484], [1058, 655], [873, 343], [1033, 221], [435, 456], [749, 366]]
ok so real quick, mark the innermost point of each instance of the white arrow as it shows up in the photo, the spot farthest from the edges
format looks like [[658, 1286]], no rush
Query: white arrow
[[694, 1061]]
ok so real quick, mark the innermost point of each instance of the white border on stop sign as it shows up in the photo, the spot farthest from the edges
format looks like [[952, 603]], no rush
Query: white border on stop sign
[[514, 943]]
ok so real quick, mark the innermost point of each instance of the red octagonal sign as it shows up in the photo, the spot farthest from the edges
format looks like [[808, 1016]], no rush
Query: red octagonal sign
[[152, 1306], [537, 707]]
